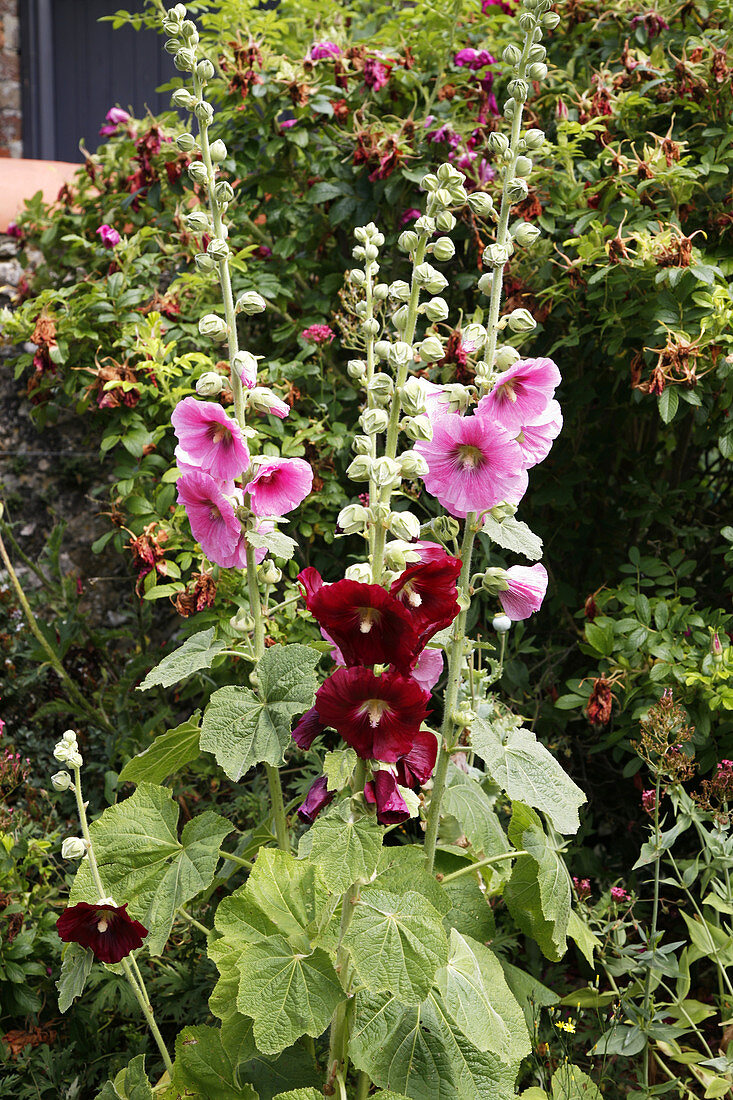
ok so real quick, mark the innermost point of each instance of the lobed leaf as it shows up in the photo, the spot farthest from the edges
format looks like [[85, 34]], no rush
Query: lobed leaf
[[197, 652]]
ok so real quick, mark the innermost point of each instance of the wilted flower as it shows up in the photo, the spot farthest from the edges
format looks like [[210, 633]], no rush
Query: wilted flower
[[382, 792], [317, 798], [115, 117], [473, 59], [105, 928], [320, 50], [415, 767], [376, 73]]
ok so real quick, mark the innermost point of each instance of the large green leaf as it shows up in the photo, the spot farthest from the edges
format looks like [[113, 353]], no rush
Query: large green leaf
[[286, 992], [465, 800], [204, 1068], [142, 861], [75, 970], [293, 1069], [345, 851], [526, 771], [477, 1075], [168, 754], [243, 728], [131, 1083], [397, 942], [479, 1001], [570, 1083], [292, 895], [513, 534], [403, 868], [531, 994], [538, 892], [470, 912], [300, 1094], [197, 652]]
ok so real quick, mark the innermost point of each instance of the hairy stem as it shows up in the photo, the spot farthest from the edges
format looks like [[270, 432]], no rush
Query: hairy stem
[[471, 867]]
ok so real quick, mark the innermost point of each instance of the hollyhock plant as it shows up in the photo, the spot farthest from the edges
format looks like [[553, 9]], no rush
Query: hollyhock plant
[[382, 792], [210, 439], [307, 729], [104, 927], [526, 591], [428, 668], [473, 464], [210, 513], [317, 798], [108, 236], [428, 591], [379, 716], [279, 485], [521, 394]]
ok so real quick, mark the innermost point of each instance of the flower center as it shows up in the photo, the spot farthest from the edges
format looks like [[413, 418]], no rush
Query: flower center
[[102, 925], [368, 616], [507, 388], [374, 709], [214, 513], [470, 457], [413, 598], [220, 433]]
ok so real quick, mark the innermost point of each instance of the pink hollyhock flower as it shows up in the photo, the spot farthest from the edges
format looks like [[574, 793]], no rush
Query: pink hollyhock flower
[[379, 716], [484, 172], [209, 438], [211, 514], [427, 551], [487, 5], [416, 767], [473, 464], [320, 50], [317, 798], [521, 394], [279, 485], [428, 592], [104, 927], [108, 236], [382, 792], [409, 216], [536, 439], [115, 116], [428, 669], [526, 591], [308, 728], [474, 59], [376, 74], [368, 625], [238, 557], [318, 334]]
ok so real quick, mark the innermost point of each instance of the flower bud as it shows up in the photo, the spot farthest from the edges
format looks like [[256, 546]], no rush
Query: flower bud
[[61, 781], [268, 572], [245, 367], [242, 622], [381, 292], [378, 512], [436, 309], [537, 71], [213, 326], [361, 445], [485, 282], [407, 241], [223, 192], [481, 203], [521, 320], [441, 197], [430, 278], [473, 337], [209, 384], [250, 303], [447, 174], [404, 525], [217, 249], [501, 623], [425, 224], [502, 511], [464, 715], [371, 252], [412, 465], [498, 142], [400, 290], [716, 648], [380, 386], [73, 847], [357, 276], [186, 143], [197, 172], [511, 55], [417, 427], [494, 581], [413, 396], [75, 759], [360, 468], [525, 234], [429, 182], [496, 255], [523, 166], [536, 53], [171, 45], [444, 249], [218, 151], [394, 555], [445, 221], [370, 327], [263, 400], [183, 98], [432, 349], [527, 21], [458, 195], [185, 59], [506, 357], [518, 90], [188, 30], [534, 139], [386, 471], [550, 20], [399, 354], [204, 263], [356, 369], [359, 572], [374, 421], [517, 190], [358, 253], [458, 396], [198, 222], [444, 528], [62, 751], [400, 318], [360, 309], [204, 113], [70, 737], [352, 519], [204, 69]]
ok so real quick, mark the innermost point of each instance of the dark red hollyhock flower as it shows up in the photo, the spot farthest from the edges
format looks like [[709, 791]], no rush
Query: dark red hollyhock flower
[[428, 590], [416, 767], [382, 792], [379, 716], [369, 626], [318, 797], [307, 729], [104, 927]]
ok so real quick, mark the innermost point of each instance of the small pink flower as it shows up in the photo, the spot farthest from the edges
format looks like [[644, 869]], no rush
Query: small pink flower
[[649, 800], [473, 59], [288, 123], [109, 236], [473, 464], [115, 117], [318, 334], [238, 557], [14, 230], [487, 5], [376, 74], [409, 216], [264, 400], [619, 894], [210, 440], [213, 522], [279, 485], [536, 439], [582, 887], [526, 591], [522, 393], [321, 50]]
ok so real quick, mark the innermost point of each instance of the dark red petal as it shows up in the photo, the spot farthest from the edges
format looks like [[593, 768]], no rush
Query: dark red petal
[[307, 729], [428, 593], [416, 767], [311, 581], [391, 806], [80, 924], [342, 702], [318, 796]]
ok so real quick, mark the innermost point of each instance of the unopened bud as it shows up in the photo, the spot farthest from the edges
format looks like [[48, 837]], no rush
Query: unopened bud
[[511, 55], [537, 71], [204, 263], [432, 349], [186, 143], [386, 472], [442, 197], [444, 250], [69, 736], [444, 528], [370, 327], [496, 255], [250, 303], [412, 465], [506, 357], [404, 525], [352, 519], [223, 192], [430, 278], [518, 90], [430, 182], [361, 445], [534, 139], [473, 337], [209, 384], [61, 781], [381, 386], [356, 369], [357, 276], [400, 318], [242, 622], [381, 349], [217, 249], [521, 320], [217, 151], [517, 189], [185, 59], [197, 172], [400, 354], [523, 166], [381, 292], [501, 623], [494, 581], [204, 112], [424, 224], [550, 20], [374, 421], [525, 234], [268, 572], [73, 847], [417, 427], [198, 222], [413, 396], [463, 716], [360, 468], [436, 309], [213, 326], [183, 98], [75, 759], [481, 203], [245, 367], [458, 195], [445, 221], [400, 290], [361, 573], [204, 69], [716, 647], [407, 241], [486, 282]]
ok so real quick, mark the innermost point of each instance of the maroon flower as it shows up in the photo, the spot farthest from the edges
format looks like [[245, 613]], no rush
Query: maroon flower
[[382, 792], [428, 591], [416, 767], [318, 797], [104, 927], [366, 623], [379, 716], [307, 729]]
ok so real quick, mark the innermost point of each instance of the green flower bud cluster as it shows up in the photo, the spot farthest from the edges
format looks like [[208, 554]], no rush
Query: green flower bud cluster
[[67, 751]]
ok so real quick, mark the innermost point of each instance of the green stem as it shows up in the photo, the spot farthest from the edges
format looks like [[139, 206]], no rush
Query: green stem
[[194, 923], [653, 931], [470, 867], [236, 859], [362, 1086]]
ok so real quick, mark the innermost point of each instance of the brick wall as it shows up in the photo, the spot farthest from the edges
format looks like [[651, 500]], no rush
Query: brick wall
[[11, 144]]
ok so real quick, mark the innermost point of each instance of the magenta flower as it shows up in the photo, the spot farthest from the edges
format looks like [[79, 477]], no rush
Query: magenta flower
[[209, 439], [376, 74], [526, 591], [264, 400], [473, 59], [115, 117], [409, 216], [288, 123], [109, 236], [211, 514], [619, 894], [317, 798], [238, 557], [279, 485], [382, 792], [521, 394], [104, 927], [649, 800], [14, 230], [321, 50], [318, 334], [536, 439], [487, 5], [473, 464]]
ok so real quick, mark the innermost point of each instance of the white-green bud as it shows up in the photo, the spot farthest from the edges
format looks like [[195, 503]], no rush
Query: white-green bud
[[498, 142], [496, 255], [425, 224], [73, 847], [268, 572], [442, 197], [242, 622], [371, 252], [70, 737], [432, 349], [506, 357], [209, 384], [413, 396], [509, 109], [444, 249], [517, 190], [523, 166], [404, 525], [400, 290], [536, 53], [417, 427], [527, 21], [473, 337], [75, 759], [198, 222], [223, 192], [213, 326], [481, 203], [183, 98], [361, 573], [217, 249], [550, 20], [186, 143], [378, 512], [204, 112], [185, 59], [352, 519], [250, 303], [360, 309], [358, 252], [370, 327], [518, 90], [380, 386], [407, 241], [394, 555], [204, 263], [485, 282], [360, 468], [357, 276], [436, 309], [525, 234], [218, 151], [188, 30], [361, 445], [381, 349], [537, 71], [400, 318], [197, 172], [61, 781], [511, 55], [430, 278], [381, 292], [521, 320], [534, 138], [400, 354], [244, 365], [171, 45], [458, 396], [458, 194], [445, 221], [374, 421], [62, 751], [430, 182], [495, 581], [448, 174], [412, 465], [204, 69], [501, 623], [386, 471], [356, 369]]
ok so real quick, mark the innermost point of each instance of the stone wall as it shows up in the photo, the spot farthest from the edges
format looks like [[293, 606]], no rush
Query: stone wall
[[11, 144]]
